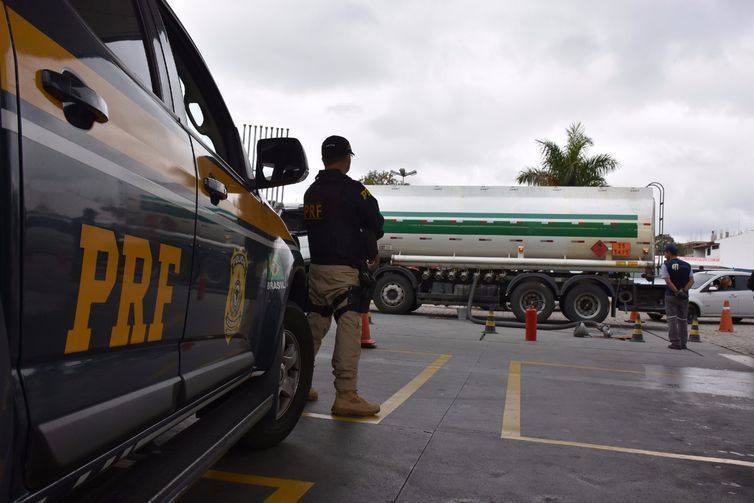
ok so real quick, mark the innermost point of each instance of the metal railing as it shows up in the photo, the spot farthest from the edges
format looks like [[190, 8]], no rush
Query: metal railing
[[252, 133]]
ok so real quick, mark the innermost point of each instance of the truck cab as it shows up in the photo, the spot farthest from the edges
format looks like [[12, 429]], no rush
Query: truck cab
[[145, 281]]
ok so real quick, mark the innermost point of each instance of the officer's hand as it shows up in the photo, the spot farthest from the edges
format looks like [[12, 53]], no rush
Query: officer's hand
[[681, 294]]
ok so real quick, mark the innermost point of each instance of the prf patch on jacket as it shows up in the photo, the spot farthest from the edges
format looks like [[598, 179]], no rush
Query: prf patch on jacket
[[365, 194], [313, 211], [239, 265]]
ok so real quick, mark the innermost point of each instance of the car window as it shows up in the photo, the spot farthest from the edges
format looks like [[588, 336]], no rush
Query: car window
[[739, 282], [118, 25], [701, 278], [204, 109]]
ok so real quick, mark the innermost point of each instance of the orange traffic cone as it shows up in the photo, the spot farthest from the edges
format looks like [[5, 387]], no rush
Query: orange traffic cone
[[366, 336], [726, 318], [632, 318]]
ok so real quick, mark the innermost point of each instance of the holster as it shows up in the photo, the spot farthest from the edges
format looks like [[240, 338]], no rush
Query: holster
[[367, 284]]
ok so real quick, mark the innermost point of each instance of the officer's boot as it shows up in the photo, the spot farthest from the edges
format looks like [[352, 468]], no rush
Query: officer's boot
[[349, 403], [312, 396]]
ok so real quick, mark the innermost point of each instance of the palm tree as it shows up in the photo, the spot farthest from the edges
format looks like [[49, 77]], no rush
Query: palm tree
[[569, 167]]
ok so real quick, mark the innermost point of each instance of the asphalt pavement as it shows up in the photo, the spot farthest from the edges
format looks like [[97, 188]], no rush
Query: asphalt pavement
[[502, 419]]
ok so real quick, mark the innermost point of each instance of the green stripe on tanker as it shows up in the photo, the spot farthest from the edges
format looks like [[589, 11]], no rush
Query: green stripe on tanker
[[559, 229], [544, 216]]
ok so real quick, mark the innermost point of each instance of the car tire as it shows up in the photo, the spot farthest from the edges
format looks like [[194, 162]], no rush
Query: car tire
[[293, 383], [586, 302], [532, 291], [394, 294]]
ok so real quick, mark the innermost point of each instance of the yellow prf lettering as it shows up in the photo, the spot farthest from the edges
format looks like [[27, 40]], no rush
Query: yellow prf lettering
[[313, 211], [169, 256], [94, 241], [132, 293]]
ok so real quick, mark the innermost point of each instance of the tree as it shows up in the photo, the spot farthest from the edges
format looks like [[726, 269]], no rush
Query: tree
[[662, 240], [570, 166], [375, 177], [403, 174]]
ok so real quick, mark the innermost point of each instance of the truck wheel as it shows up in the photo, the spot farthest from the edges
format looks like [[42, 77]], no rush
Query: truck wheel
[[532, 293], [294, 381], [655, 316], [586, 302], [394, 294]]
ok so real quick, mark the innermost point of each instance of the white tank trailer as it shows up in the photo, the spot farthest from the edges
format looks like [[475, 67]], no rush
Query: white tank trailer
[[576, 247]]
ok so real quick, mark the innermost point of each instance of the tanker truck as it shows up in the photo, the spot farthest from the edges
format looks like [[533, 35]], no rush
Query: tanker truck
[[588, 251]]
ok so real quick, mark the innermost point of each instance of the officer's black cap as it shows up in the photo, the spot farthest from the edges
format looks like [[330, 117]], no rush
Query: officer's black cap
[[335, 147]]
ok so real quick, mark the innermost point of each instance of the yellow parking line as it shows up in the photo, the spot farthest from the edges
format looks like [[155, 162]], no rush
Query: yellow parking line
[[288, 491], [512, 421], [395, 401], [512, 411]]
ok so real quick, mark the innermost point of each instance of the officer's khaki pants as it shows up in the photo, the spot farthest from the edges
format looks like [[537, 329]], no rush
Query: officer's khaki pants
[[325, 283]]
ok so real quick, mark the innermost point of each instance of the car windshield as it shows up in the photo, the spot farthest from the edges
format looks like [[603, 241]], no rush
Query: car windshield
[[700, 278]]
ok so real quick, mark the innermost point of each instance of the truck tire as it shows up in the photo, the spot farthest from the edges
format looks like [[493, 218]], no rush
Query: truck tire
[[295, 379], [536, 293], [394, 294], [655, 316], [586, 302]]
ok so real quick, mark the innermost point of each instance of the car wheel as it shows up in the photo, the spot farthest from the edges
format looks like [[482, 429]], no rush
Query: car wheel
[[586, 302], [294, 380], [393, 294], [532, 293]]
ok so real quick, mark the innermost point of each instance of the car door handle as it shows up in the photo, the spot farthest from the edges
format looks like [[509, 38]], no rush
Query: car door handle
[[216, 189], [69, 89]]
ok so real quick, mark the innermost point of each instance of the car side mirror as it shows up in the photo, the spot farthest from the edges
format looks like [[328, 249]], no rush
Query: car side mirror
[[280, 161]]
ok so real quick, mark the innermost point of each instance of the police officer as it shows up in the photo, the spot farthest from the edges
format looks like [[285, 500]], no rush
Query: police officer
[[343, 223], [678, 278]]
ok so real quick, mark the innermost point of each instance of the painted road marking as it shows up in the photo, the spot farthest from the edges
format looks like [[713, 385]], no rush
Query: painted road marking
[[287, 490], [398, 398], [512, 422], [742, 359]]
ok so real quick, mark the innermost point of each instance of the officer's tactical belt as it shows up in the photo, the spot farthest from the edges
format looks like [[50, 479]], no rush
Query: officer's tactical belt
[[353, 295]]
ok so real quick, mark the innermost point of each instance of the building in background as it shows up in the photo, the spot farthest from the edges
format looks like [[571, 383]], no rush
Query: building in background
[[735, 252]]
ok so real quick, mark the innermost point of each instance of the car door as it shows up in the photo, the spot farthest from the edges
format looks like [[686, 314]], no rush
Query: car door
[[712, 297], [109, 210], [236, 233], [743, 300]]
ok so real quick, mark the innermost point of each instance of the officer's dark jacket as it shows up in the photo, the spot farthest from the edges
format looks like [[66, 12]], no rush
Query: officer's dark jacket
[[342, 219], [679, 272]]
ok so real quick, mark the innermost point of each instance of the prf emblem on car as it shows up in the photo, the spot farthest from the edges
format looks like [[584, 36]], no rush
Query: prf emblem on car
[[239, 265], [95, 287]]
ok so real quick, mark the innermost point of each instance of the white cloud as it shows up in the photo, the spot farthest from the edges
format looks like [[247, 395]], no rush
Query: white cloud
[[460, 90]]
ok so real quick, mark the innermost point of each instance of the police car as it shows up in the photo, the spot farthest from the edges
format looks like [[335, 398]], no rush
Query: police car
[[144, 280]]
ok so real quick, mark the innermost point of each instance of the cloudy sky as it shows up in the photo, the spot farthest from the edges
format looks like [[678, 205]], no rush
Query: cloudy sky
[[460, 90]]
